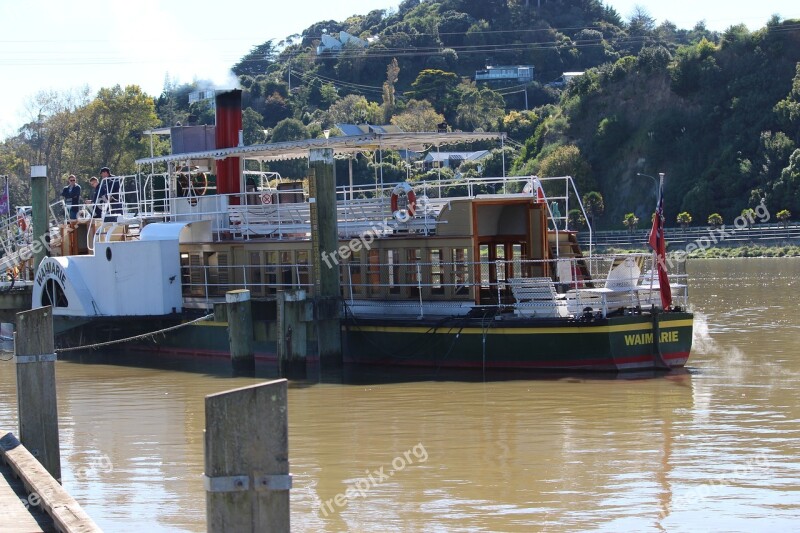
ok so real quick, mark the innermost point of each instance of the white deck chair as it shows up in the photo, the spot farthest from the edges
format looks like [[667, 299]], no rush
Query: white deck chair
[[537, 297]]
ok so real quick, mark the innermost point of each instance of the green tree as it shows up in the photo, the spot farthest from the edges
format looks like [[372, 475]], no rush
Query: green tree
[[784, 215], [289, 129], [576, 219], [684, 219], [631, 221], [788, 109], [119, 116], [787, 187], [519, 125], [392, 72], [593, 205], [479, 108], [715, 219], [252, 129], [567, 161], [257, 60], [435, 86], [328, 94], [354, 109], [419, 115]]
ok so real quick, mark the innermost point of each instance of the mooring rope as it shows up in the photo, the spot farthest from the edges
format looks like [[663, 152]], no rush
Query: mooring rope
[[149, 335]]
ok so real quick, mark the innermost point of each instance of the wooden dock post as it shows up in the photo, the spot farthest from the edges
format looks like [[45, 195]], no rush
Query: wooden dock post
[[240, 331], [325, 240], [294, 313], [39, 211], [247, 476], [36, 387]]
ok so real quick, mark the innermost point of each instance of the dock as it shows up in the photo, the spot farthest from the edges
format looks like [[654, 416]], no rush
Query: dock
[[24, 480], [18, 515]]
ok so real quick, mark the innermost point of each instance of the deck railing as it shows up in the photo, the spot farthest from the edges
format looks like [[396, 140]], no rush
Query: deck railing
[[419, 288], [285, 213]]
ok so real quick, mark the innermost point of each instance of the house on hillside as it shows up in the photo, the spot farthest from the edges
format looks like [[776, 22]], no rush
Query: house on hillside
[[351, 130], [505, 74], [451, 160], [563, 80], [333, 44]]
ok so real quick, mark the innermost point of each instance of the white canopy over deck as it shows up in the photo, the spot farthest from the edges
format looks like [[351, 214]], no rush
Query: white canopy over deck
[[351, 144]]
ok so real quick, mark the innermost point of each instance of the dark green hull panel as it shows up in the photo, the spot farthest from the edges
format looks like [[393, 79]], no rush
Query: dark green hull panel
[[619, 343]]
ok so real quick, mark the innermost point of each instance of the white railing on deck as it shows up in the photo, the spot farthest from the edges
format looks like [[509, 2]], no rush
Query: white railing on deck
[[267, 212], [418, 285]]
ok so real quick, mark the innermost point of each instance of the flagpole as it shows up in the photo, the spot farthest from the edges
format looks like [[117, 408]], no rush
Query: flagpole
[[654, 270]]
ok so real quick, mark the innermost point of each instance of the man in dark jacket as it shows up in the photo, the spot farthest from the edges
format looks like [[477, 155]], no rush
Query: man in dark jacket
[[108, 191], [72, 196]]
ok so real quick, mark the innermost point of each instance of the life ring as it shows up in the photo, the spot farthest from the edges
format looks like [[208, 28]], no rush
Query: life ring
[[266, 198], [83, 215], [403, 215]]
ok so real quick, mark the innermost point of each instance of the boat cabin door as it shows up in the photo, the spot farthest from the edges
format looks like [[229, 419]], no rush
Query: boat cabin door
[[510, 240]]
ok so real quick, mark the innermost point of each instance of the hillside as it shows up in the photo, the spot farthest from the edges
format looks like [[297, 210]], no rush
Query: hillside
[[717, 113]]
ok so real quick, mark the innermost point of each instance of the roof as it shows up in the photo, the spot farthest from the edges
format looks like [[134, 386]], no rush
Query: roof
[[359, 129], [449, 156], [340, 145]]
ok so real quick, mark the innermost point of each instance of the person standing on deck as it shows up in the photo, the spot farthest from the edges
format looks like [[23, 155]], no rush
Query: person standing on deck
[[72, 196], [109, 190], [92, 200]]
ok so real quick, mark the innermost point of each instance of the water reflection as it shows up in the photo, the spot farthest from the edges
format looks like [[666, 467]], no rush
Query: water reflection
[[715, 446]]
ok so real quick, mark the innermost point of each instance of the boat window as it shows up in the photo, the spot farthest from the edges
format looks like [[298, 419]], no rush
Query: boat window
[[500, 255], [374, 272], [53, 294], [221, 275], [413, 271], [516, 258], [197, 276], [255, 281], [286, 262], [393, 260], [437, 275], [483, 253], [354, 267], [460, 271], [303, 274], [271, 267]]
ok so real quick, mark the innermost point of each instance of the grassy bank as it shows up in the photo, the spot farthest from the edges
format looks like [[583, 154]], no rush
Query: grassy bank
[[750, 250]]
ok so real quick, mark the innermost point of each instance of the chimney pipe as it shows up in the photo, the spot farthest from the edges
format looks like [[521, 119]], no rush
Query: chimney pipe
[[229, 124]]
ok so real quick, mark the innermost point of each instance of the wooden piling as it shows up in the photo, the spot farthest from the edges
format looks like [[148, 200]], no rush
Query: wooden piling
[[324, 243], [39, 212], [247, 476], [294, 313], [36, 387], [240, 331]]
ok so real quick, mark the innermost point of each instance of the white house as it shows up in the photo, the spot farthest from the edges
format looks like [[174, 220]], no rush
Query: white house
[[333, 45], [505, 74]]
